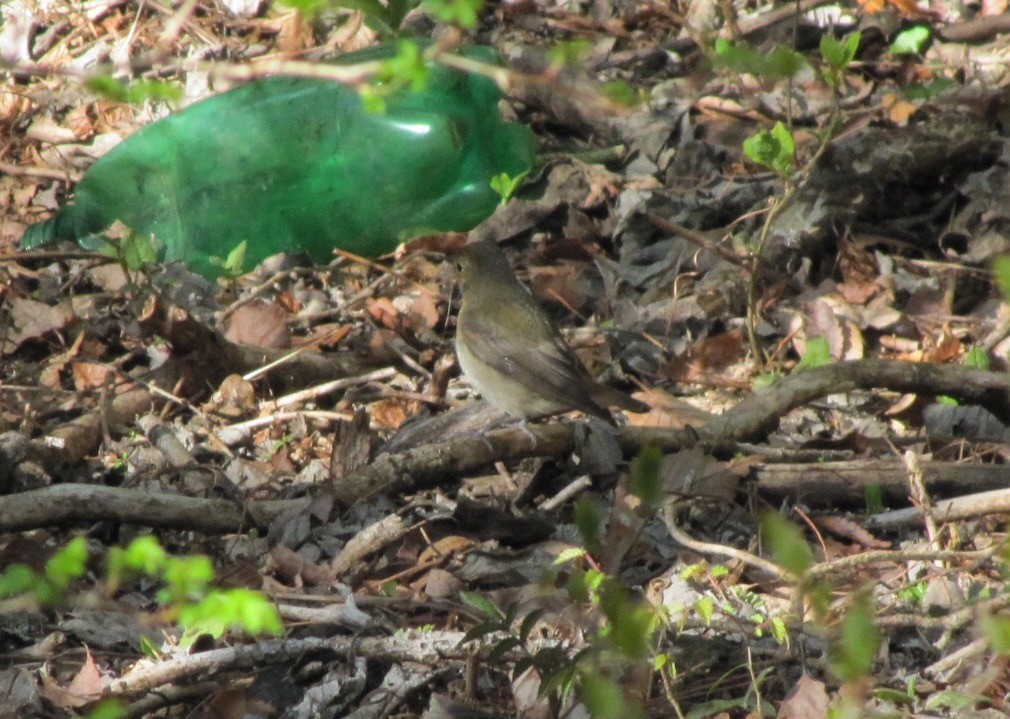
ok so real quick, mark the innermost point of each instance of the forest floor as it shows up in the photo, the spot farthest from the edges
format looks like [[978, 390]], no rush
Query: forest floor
[[787, 246]]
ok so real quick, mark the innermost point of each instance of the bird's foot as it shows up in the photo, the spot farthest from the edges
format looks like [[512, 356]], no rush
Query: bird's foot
[[526, 430]]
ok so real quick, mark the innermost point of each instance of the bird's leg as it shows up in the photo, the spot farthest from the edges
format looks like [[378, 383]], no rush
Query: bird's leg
[[522, 425]]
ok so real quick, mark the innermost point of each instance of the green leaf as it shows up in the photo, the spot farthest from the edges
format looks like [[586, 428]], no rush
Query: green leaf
[[589, 523], [1001, 273], [482, 605], [976, 357], [107, 709], [506, 185], [817, 354], [223, 610], [773, 148], [838, 54], [17, 579], [784, 62], [186, 577], [568, 54], [705, 607], [407, 68], [911, 41], [232, 265], [461, 12], [569, 555], [913, 593], [481, 630], [631, 621], [604, 698], [873, 498], [500, 649], [854, 651], [134, 92], [145, 554], [894, 696], [779, 631], [996, 628], [930, 90], [779, 63], [623, 94], [765, 380], [738, 57], [310, 8], [529, 621], [788, 547], [149, 649], [951, 699], [68, 563], [782, 133], [645, 481]]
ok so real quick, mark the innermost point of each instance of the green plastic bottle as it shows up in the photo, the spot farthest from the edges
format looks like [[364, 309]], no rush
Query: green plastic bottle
[[294, 164]]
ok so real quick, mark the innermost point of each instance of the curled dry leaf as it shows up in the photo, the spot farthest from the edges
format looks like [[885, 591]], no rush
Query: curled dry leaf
[[259, 324], [808, 699], [31, 320], [91, 375], [846, 528], [84, 688]]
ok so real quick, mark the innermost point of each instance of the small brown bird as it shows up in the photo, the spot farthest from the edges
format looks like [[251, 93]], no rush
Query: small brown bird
[[511, 350]]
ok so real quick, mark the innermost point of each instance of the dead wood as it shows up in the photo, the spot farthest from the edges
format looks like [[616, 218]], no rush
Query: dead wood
[[64, 504], [947, 510], [425, 465], [841, 484]]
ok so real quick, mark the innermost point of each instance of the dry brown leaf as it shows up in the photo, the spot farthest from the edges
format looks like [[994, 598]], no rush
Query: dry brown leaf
[[114, 117], [857, 292], [90, 375], [833, 319], [229, 704], [12, 104], [903, 404], [46, 131], [79, 123], [259, 324], [562, 283], [235, 393], [295, 570], [847, 529], [444, 548], [31, 320], [691, 473], [50, 376], [437, 583], [289, 301], [901, 112], [418, 310], [294, 34], [909, 7], [325, 336], [384, 312], [84, 688], [707, 357], [948, 348], [667, 411], [808, 699], [390, 413]]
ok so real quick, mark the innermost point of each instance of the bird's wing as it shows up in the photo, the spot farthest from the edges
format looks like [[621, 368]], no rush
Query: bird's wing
[[548, 365]]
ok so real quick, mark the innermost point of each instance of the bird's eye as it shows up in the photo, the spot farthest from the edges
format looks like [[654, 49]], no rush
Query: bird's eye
[[459, 265]]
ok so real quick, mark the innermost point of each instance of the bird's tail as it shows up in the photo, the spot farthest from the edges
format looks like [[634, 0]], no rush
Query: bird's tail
[[611, 397]]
